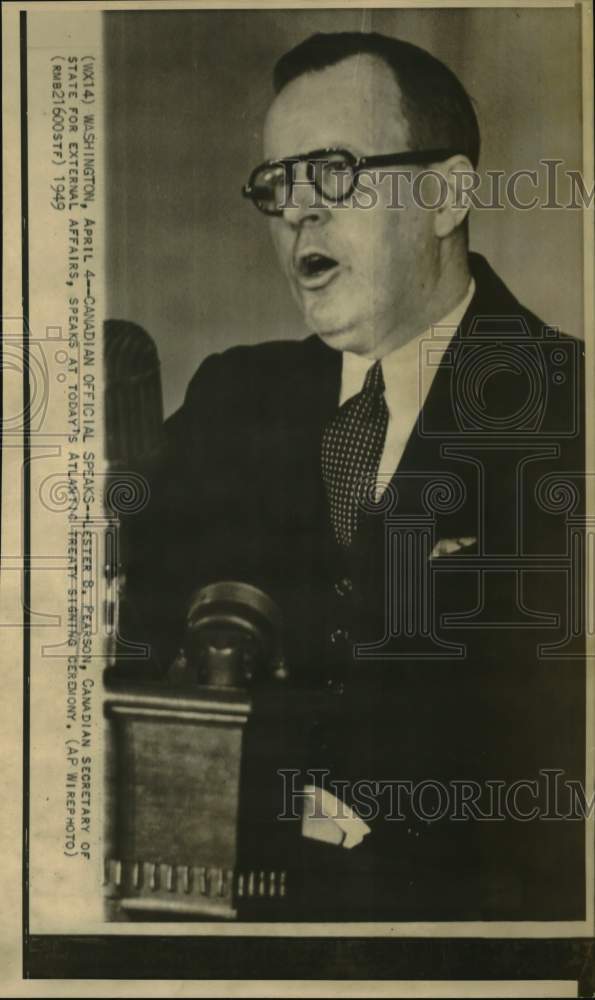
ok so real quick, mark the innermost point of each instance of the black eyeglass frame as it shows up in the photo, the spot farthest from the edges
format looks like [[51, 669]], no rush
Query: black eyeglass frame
[[357, 165]]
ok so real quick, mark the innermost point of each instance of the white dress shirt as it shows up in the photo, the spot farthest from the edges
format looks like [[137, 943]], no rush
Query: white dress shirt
[[408, 374]]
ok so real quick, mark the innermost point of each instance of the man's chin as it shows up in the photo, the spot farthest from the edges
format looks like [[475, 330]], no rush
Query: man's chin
[[337, 328], [345, 339]]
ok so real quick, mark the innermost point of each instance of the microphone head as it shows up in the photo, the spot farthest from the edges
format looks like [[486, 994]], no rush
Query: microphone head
[[133, 399], [233, 634]]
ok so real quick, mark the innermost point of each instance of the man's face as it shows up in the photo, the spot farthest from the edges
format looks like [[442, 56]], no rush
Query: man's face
[[374, 297]]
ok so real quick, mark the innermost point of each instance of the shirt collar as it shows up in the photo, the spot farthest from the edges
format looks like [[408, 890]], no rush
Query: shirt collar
[[410, 368]]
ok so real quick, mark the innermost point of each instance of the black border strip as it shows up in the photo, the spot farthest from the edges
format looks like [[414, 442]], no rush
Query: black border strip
[[310, 958], [26, 481]]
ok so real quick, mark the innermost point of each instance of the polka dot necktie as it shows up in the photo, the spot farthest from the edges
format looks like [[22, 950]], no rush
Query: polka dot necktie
[[352, 446]]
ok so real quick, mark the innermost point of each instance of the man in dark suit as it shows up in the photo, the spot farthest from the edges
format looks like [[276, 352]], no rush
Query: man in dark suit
[[405, 483]]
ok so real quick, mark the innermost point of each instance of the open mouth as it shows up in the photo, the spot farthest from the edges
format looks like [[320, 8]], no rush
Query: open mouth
[[316, 269]]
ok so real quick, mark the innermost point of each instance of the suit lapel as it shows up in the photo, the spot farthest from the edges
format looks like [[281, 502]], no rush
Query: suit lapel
[[310, 398], [425, 461]]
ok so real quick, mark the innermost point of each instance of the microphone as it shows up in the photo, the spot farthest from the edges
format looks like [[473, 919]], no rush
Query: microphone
[[133, 398], [133, 424], [233, 637]]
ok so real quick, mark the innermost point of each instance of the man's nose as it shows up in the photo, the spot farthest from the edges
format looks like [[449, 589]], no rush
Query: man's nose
[[304, 203]]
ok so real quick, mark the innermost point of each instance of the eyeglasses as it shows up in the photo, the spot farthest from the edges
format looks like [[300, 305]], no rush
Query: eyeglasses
[[333, 172]]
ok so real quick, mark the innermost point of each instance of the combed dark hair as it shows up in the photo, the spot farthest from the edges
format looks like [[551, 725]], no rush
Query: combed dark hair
[[437, 107]]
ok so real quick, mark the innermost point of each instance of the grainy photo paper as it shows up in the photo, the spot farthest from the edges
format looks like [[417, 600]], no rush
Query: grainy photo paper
[[297, 497]]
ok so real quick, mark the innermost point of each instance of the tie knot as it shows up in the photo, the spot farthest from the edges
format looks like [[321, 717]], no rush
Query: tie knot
[[374, 381]]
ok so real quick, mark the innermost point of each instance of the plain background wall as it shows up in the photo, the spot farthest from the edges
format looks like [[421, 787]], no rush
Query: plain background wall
[[191, 261]]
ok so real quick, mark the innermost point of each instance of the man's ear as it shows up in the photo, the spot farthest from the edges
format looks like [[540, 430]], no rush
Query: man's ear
[[453, 207]]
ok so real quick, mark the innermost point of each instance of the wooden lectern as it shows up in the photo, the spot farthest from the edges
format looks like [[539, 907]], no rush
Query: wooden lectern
[[193, 788]]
